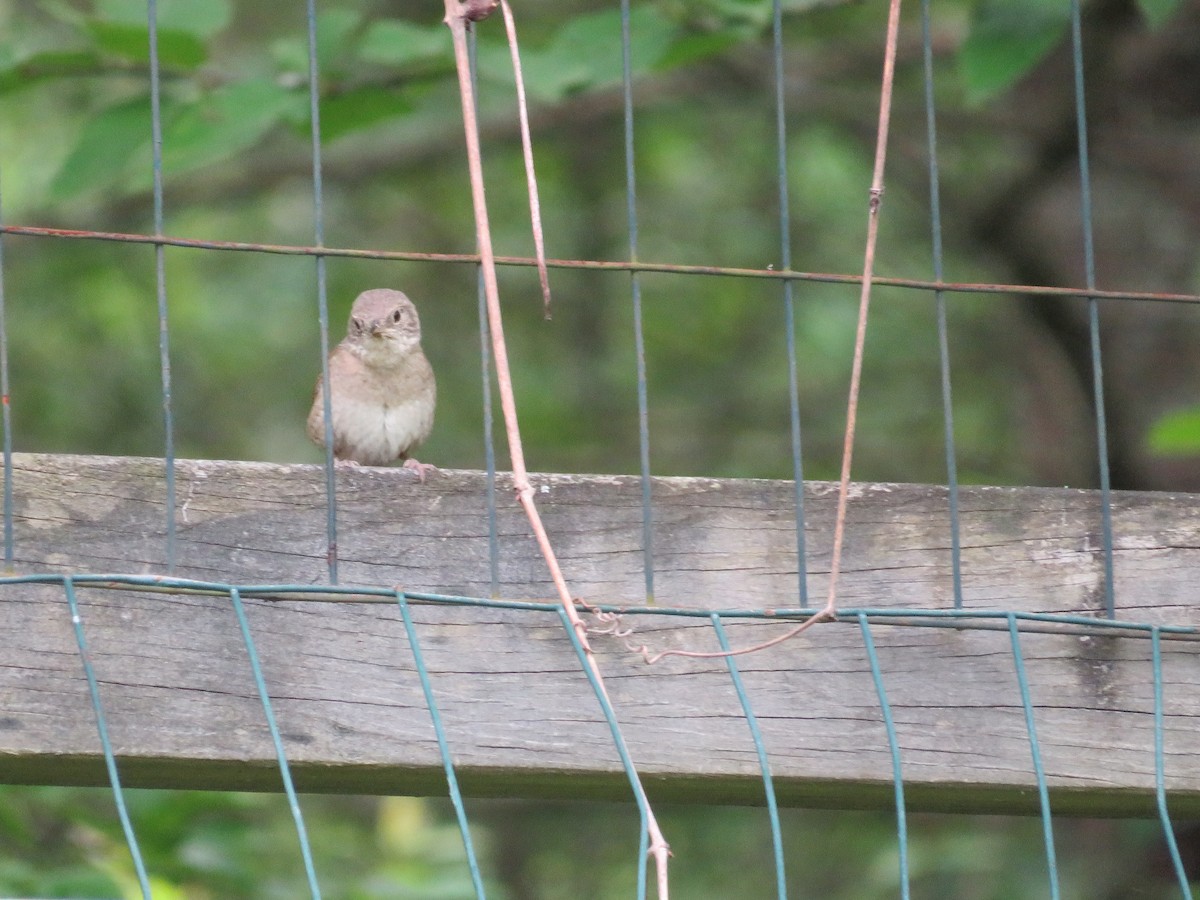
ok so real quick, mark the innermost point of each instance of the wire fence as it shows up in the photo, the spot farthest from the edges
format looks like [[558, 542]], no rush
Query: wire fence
[[1012, 625], [1011, 622]]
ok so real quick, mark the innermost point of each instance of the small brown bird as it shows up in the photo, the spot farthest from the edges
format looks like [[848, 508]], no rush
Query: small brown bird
[[383, 392]]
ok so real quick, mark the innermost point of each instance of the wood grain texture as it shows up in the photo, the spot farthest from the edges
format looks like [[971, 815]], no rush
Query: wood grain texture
[[520, 716]]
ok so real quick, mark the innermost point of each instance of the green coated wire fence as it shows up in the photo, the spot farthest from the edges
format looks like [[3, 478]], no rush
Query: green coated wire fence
[[1146, 636]]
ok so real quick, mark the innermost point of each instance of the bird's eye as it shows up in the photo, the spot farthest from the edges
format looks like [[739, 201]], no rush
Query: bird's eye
[[358, 323], [396, 316]]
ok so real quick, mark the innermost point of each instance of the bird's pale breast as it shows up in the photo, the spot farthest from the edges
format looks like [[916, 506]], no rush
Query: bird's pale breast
[[378, 416]]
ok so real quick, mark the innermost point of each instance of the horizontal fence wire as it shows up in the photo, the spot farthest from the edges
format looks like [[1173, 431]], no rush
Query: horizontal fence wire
[[963, 619], [665, 268], [969, 619]]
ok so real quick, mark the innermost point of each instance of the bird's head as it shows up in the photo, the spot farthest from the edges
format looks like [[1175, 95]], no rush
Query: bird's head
[[385, 324]]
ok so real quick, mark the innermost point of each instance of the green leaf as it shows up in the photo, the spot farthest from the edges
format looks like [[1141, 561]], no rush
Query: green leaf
[[1157, 12], [120, 27], [22, 70], [199, 18], [107, 149], [132, 42], [1176, 434], [335, 29], [586, 53], [290, 55], [360, 108], [335, 36], [63, 11], [692, 48], [1006, 40], [225, 122], [752, 14], [393, 42]]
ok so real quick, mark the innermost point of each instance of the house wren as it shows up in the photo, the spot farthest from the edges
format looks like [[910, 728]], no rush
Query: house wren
[[383, 393]]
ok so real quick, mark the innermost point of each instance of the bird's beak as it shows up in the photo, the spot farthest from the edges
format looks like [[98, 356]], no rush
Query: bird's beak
[[375, 328]]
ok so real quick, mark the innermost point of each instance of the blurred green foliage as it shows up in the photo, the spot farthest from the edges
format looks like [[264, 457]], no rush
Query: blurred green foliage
[[1177, 433], [65, 843], [75, 150]]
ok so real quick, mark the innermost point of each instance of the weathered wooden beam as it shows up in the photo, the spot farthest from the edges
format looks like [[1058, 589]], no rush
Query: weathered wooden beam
[[520, 716]]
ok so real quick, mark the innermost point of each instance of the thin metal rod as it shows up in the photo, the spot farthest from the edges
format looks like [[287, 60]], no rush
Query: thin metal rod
[[1037, 292], [885, 709], [614, 728], [439, 731], [110, 759], [965, 619], [789, 311], [764, 762], [1160, 774], [164, 334], [485, 362], [639, 340], [1035, 751], [6, 418], [489, 445], [314, 104], [935, 215], [285, 771], [1089, 264]]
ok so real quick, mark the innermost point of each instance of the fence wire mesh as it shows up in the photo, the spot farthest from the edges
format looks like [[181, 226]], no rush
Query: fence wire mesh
[[868, 619]]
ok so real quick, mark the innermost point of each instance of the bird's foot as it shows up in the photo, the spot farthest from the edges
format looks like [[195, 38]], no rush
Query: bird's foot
[[422, 469]]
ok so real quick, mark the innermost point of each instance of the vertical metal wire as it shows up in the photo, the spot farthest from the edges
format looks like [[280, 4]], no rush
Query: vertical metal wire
[[935, 213], [1160, 776], [164, 351], [789, 312], [435, 716], [314, 102], [110, 760], [285, 772], [489, 443], [638, 336], [485, 362], [614, 729], [894, 747], [1035, 750], [6, 417], [764, 764], [1089, 263]]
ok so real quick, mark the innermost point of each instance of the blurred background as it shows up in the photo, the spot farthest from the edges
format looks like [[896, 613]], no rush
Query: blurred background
[[84, 359]]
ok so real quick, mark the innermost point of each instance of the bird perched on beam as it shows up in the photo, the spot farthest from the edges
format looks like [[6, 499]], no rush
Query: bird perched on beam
[[383, 392]]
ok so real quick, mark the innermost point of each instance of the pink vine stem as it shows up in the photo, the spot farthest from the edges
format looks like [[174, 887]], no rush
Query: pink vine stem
[[457, 17]]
